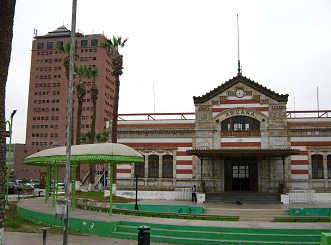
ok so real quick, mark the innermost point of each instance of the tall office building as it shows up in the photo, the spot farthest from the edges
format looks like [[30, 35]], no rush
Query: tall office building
[[48, 94]]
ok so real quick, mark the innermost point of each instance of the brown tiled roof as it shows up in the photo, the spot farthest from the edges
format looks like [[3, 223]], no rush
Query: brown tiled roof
[[244, 80]]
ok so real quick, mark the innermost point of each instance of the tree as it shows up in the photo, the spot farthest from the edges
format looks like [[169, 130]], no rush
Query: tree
[[99, 137], [7, 11], [94, 72], [113, 46], [102, 137], [81, 71], [66, 63]]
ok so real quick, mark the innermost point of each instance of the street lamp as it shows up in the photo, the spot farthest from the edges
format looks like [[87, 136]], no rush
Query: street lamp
[[136, 205], [10, 124]]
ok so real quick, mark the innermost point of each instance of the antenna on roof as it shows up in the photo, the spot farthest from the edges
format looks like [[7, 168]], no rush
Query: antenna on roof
[[154, 96], [239, 68], [318, 103]]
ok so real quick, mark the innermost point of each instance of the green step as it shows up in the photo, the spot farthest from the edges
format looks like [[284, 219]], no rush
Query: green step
[[226, 229], [194, 241], [223, 236]]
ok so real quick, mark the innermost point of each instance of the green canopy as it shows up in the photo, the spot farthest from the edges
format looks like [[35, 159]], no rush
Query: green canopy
[[54, 158], [86, 154]]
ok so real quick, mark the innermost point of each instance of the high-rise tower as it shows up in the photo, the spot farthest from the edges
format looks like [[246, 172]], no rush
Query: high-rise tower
[[48, 94], [47, 105]]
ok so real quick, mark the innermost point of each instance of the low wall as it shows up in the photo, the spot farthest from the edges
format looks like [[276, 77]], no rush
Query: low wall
[[179, 194], [309, 212], [305, 196], [162, 208]]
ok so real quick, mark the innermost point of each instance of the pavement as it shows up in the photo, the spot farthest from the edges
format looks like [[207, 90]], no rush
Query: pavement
[[37, 204], [20, 238]]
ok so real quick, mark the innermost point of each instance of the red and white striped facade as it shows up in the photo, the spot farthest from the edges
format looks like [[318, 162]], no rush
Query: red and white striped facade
[[240, 102]]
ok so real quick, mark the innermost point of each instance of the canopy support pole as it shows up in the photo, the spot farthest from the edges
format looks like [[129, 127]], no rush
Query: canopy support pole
[[57, 181], [55, 185], [284, 181], [202, 184], [110, 172], [48, 168]]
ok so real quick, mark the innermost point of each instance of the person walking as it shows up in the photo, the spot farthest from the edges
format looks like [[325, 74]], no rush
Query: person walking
[[194, 193]]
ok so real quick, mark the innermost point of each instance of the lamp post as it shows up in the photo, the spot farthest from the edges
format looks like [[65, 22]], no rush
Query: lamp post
[[10, 124], [69, 123], [136, 205]]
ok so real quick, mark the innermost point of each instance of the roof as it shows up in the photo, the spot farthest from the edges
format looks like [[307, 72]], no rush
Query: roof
[[61, 31], [244, 152], [89, 153], [244, 80]]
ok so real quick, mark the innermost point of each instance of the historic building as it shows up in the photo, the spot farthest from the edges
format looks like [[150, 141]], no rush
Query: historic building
[[240, 138]]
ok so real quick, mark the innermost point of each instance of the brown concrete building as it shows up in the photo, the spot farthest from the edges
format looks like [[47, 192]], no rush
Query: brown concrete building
[[48, 91]]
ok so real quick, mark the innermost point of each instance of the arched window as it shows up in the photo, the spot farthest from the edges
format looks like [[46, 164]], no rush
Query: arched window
[[317, 166], [240, 123], [139, 169], [328, 160], [153, 166], [167, 166]]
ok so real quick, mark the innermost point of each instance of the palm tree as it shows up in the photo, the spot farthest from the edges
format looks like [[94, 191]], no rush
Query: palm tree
[[7, 11], [99, 137], [81, 92], [102, 137], [113, 46], [94, 72], [66, 63]]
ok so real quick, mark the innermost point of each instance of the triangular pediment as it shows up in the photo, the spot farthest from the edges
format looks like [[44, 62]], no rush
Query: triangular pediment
[[240, 80]]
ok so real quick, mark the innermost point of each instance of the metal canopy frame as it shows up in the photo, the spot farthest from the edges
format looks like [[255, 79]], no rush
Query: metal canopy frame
[[262, 153], [55, 158]]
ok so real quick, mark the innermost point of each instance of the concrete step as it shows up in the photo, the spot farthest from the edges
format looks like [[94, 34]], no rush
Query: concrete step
[[248, 214], [243, 197]]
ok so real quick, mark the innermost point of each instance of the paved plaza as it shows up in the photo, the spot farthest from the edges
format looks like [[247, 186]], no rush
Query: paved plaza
[[38, 204]]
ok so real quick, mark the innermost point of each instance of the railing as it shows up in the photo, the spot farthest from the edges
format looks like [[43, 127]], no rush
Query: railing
[[301, 196], [157, 116], [311, 113], [191, 115]]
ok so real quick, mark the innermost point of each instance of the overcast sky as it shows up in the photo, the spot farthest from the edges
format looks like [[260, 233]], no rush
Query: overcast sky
[[187, 48]]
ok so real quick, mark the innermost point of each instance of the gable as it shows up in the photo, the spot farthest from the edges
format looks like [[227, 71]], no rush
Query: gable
[[240, 80]]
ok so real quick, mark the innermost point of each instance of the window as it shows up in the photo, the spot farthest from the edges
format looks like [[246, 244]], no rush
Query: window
[[83, 43], [40, 45], [59, 44], [153, 166], [317, 166], [167, 166], [139, 169], [49, 45], [240, 123], [328, 160], [94, 42]]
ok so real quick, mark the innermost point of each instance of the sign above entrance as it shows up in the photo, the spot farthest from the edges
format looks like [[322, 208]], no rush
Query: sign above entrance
[[242, 112]]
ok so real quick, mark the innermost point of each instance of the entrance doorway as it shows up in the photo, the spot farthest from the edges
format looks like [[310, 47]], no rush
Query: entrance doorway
[[241, 174]]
